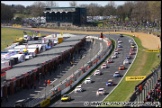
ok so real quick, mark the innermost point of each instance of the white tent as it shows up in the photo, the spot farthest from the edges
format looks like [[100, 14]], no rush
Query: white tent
[[21, 57]]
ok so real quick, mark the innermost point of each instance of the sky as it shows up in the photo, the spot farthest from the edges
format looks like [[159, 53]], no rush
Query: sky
[[61, 3]]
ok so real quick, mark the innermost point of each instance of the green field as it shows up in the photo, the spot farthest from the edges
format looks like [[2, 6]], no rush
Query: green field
[[142, 66], [8, 36]]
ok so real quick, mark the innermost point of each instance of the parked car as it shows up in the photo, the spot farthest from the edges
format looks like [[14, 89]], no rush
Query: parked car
[[100, 91]]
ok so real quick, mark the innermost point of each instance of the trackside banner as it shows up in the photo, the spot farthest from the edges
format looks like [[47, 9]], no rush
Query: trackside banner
[[134, 78]]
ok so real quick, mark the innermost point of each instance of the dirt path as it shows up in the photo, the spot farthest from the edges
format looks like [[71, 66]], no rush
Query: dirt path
[[149, 41]]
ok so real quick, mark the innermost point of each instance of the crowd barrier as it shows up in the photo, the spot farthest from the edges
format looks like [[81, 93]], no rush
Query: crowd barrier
[[146, 85]]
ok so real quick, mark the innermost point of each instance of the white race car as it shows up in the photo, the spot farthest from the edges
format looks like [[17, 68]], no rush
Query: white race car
[[97, 72], [100, 91], [88, 80], [119, 41], [104, 66], [114, 56], [126, 61], [78, 89]]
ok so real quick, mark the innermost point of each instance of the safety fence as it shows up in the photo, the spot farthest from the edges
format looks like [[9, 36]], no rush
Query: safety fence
[[70, 82], [144, 87]]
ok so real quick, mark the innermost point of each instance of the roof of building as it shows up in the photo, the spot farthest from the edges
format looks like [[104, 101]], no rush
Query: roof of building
[[41, 58], [61, 9]]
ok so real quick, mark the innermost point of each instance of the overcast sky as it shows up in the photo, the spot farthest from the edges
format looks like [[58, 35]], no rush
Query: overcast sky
[[61, 3]]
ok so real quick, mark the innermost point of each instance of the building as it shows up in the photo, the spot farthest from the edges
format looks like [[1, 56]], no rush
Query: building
[[65, 16]]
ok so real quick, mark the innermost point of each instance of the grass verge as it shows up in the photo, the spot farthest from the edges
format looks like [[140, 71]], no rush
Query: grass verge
[[142, 66], [8, 35]]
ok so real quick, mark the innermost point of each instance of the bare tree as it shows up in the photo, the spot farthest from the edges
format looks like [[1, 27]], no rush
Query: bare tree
[[37, 8], [73, 3], [112, 3], [51, 4], [83, 5], [109, 9]]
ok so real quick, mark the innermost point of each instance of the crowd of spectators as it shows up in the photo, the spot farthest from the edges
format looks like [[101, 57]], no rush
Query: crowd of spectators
[[154, 95]]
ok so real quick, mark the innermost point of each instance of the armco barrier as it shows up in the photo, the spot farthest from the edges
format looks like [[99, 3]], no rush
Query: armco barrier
[[86, 73]]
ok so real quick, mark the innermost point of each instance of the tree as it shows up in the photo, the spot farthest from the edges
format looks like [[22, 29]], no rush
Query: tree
[[128, 7], [6, 13], [155, 10], [51, 4], [93, 9], [109, 9], [73, 3], [120, 13], [37, 9]]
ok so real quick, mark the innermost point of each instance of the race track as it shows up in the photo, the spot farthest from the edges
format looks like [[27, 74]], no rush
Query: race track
[[89, 95]]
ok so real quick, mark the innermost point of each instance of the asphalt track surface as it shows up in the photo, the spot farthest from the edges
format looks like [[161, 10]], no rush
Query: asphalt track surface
[[85, 98], [65, 71]]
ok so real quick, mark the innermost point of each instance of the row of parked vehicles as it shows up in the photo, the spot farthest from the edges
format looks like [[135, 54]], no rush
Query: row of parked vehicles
[[110, 82]]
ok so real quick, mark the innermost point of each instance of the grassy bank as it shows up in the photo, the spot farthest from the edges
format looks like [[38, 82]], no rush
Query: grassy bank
[[142, 66], [8, 35]]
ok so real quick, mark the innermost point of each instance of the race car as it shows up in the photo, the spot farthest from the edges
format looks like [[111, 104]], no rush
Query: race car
[[110, 83], [119, 46], [126, 61], [118, 49], [65, 97], [88, 80], [97, 72], [119, 41], [128, 57], [121, 35], [78, 89], [109, 61], [132, 49], [117, 74], [104, 66], [116, 52], [132, 46], [121, 67], [114, 56], [100, 91], [131, 41], [131, 53]]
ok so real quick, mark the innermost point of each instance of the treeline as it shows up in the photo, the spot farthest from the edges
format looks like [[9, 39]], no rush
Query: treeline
[[139, 11]]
